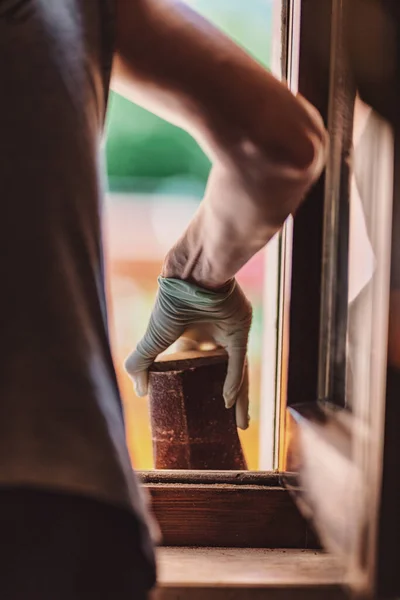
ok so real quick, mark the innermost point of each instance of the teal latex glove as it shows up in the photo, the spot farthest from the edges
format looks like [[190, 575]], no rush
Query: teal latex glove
[[182, 306]]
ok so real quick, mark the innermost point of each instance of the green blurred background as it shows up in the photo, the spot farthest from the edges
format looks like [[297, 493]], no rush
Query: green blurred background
[[146, 154]]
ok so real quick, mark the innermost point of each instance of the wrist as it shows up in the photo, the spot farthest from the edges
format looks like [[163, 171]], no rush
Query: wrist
[[187, 259], [179, 264]]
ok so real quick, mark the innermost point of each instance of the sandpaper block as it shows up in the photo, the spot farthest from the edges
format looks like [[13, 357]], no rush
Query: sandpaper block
[[191, 428]]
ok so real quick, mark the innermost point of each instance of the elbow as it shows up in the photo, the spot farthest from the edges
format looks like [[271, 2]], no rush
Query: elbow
[[301, 141], [298, 140], [312, 145], [317, 153], [278, 186], [295, 159], [302, 153]]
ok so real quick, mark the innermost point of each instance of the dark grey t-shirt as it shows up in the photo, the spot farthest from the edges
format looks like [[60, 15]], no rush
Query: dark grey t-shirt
[[61, 419]]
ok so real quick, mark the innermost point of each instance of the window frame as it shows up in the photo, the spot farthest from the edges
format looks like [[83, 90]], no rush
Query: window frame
[[337, 458], [317, 437]]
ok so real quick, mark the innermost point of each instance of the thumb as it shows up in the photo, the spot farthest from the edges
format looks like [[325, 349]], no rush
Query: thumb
[[160, 334], [242, 402], [235, 373], [136, 366]]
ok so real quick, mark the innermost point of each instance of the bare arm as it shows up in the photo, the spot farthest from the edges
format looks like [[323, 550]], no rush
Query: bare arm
[[265, 145]]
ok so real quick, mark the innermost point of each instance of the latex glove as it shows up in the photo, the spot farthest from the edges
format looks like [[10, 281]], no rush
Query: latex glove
[[181, 306]]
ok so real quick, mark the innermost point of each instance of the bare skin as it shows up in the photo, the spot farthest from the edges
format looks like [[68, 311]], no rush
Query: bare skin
[[267, 147]]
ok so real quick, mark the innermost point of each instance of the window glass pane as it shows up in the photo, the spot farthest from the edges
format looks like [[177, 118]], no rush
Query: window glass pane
[[369, 259], [157, 175]]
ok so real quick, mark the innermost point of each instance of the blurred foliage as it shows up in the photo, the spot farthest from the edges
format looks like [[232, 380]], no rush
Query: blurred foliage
[[146, 154]]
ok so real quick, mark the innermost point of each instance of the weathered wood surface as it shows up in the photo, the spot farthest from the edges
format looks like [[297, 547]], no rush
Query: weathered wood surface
[[191, 428], [223, 515], [221, 573]]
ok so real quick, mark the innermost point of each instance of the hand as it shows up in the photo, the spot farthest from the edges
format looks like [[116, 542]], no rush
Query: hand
[[182, 306]]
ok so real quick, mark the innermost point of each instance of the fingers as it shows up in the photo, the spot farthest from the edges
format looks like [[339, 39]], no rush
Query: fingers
[[161, 333], [140, 378], [200, 333], [236, 388], [234, 376], [195, 337], [242, 402]]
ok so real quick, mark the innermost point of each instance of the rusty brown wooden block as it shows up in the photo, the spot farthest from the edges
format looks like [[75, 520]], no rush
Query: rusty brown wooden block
[[191, 428]]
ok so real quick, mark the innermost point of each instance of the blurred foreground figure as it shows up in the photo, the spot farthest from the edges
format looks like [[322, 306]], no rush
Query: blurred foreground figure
[[373, 44], [73, 524], [373, 41]]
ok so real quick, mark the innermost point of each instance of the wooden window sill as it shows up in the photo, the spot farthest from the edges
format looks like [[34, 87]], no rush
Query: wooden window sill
[[242, 573], [226, 509]]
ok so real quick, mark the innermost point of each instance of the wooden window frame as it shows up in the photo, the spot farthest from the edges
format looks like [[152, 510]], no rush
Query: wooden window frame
[[226, 509], [318, 439], [317, 442], [342, 466]]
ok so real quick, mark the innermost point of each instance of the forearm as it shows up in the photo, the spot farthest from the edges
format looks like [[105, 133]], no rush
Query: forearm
[[237, 219], [217, 242], [202, 255], [265, 143]]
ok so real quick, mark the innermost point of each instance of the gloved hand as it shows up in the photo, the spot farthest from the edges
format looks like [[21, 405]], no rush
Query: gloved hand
[[181, 306]]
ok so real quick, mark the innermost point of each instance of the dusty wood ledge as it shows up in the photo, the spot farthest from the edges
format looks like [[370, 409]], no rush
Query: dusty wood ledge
[[226, 509], [262, 478], [188, 360], [240, 574]]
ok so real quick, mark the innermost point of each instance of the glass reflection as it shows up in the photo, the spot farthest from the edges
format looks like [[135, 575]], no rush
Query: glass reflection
[[371, 204]]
